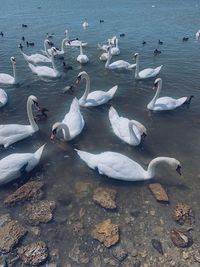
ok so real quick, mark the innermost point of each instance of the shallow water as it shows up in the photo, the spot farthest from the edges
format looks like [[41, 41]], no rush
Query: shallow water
[[174, 134]]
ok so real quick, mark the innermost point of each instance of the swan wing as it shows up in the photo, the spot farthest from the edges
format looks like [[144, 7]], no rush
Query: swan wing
[[6, 78], [119, 64], [149, 72], [3, 97], [36, 58], [168, 103], [96, 98], [43, 71]]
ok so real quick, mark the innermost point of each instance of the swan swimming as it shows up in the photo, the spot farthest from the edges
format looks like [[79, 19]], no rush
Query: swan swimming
[[82, 58], [115, 51], [120, 167], [8, 79], [72, 124], [85, 23], [73, 43], [198, 35], [165, 103], [14, 165], [3, 98], [94, 98], [11, 133], [146, 73], [131, 132]]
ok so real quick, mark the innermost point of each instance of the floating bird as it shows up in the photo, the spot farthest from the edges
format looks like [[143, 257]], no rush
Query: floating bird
[[185, 39], [2, 34], [156, 52], [82, 58], [198, 35], [8, 79], [101, 20], [122, 35], [23, 38], [3, 98], [74, 42], [85, 23], [160, 42], [67, 67], [144, 42], [20, 46], [24, 25]]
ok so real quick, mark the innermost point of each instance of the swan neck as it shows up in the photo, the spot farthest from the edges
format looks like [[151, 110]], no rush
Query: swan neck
[[53, 62], [133, 136], [81, 49], [45, 49], [137, 67], [63, 44], [66, 133], [14, 73], [157, 94], [30, 115], [87, 87], [150, 173], [108, 59]]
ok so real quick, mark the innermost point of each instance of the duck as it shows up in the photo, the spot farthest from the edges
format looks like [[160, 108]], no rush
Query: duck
[[160, 42], [94, 98], [72, 124], [118, 166], [166, 103], [119, 64], [101, 20], [185, 39], [37, 58], [3, 98], [146, 73], [44, 71], [82, 58], [74, 42], [2, 34], [85, 23], [18, 164], [12, 133], [8, 79], [24, 25], [144, 42], [197, 35], [122, 35], [156, 52], [131, 132]]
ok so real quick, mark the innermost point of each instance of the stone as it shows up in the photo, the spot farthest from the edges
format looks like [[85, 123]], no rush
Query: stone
[[40, 212], [78, 228], [10, 234], [197, 257], [119, 253], [157, 245], [35, 230], [181, 238], [106, 232], [96, 262], [77, 255], [105, 197], [4, 219], [82, 188], [34, 253], [30, 190], [185, 255], [158, 192], [182, 213], [134, 252]]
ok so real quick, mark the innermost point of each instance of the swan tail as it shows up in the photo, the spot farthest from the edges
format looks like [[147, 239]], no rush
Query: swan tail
[[132, 66], [112, 114], [186, 100], [38, 153], [88, 158], [158, 69], [112, 91]]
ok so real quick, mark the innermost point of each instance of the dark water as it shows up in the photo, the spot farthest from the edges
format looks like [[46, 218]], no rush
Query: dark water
[[174, 134]]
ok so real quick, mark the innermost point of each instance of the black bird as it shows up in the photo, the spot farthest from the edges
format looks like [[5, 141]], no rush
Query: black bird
[[67, 67], [23, 39], [144, 42], [24, 25], [101, 21], [185, 39], [156, 52], [160, 42], [31, 44], [122, 34], [2, 34], [20, 46]]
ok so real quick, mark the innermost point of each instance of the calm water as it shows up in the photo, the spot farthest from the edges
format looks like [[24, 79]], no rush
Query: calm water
[[174, 134]]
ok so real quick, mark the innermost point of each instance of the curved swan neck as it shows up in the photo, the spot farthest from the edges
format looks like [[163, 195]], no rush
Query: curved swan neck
[[66, 133], [45, 48], [157, 94], [67, 35], [63, 44], [137, 67], [133, 136], [81, 49], [30, 115], [150, 173], [53, 62], [14, 73], [108, 60], [87, 87]]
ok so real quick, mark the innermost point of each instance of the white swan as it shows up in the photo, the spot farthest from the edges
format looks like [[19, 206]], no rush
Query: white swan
[[146, 73], [3, 98], [58, 53], [165, 103], [85, 23], [95, 98], [119, 64], [83, 59], [73, 43], [14, 165], [198, 35], [72, 124], [114, 52], [11, 133], [44, 71], [130, 131], [118, 166], [8, 79], [37, 58], [110, 42]]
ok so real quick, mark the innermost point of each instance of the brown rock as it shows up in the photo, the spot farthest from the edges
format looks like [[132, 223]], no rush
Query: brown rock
[[181, 238], [159, 192], [106, 232], [34, 253], [35, 231], [105, 197], [30, 190], [182, 213], [40, 212], [82, 188], [10, 235], [78, 228]]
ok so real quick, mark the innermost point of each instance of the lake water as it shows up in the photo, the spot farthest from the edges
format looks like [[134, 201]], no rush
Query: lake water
[[174, 134]]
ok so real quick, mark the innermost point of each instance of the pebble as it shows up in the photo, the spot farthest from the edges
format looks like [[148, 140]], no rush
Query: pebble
[[105, 197], [181, 238], [119, 253], [157, 245], [158, 192], [182, 213]]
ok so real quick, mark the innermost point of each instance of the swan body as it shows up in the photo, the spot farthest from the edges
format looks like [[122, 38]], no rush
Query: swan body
[[146, 73], [12, 133], [85, 24], [8, 79], [198, 35], [104, 56], [115, 51], [37, 58], [164, 103], [94, 98], [44, 71], [130, 131], [12, 166], [83, 59], [72, 124], [3, 98], [117, 166], [73, 43]]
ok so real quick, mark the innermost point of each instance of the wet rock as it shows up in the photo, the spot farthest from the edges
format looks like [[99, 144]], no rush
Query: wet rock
[[157, 245], [106, 232], [77, 255], [105, 197], [82, 188], [54, 254], [4, 219], [135, 212], [96, 262], [197, 256], [10, 235], [40, 212], [78, 228], [35, 230], [182, 213], [30, 190], [119, 253], [158, 192], [181, 238], [34, 253], [110, 261], [186, 255]]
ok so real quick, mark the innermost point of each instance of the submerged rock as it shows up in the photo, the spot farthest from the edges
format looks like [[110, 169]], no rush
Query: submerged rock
[[181, 238], [4, 219], [182, 213], [119, 253], [10, 235], [157, 245], [106, 232], [82, 188], [159, 192], [30, 190], [34, 253], [105, 197], [77, 255], [40, 212]]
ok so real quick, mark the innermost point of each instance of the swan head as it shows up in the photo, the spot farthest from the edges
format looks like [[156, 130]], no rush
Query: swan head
[[157, 82], [55, 128], [34, 101], [175, 164], [136, 55], [80, 76], [13, 60]]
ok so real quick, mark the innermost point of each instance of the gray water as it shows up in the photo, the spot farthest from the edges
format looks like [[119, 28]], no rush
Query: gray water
[[174, 134]]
